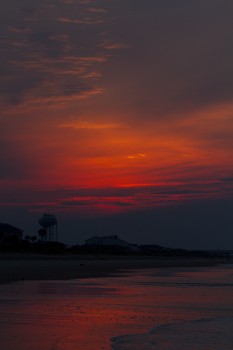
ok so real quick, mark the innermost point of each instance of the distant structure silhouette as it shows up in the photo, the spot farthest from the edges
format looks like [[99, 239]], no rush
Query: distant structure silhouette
[[8, 232], [48, 222], [112, 240]]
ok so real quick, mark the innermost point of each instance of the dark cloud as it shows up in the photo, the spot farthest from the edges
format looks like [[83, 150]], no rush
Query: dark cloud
[[48, 43], [228, 179], [45, 58], [95, 202], [134, 198], [179, 58], [190, 188]]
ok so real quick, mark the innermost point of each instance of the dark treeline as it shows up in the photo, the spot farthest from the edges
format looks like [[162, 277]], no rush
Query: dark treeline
[[12, 245]]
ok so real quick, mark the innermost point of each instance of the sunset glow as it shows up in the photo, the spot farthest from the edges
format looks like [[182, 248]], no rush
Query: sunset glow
[[99, 116]]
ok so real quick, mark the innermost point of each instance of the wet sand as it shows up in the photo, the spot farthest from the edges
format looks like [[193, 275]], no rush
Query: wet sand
[[86, 314], [16, 267]]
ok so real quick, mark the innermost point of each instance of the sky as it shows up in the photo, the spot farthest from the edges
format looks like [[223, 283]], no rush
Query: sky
[[116, 116]]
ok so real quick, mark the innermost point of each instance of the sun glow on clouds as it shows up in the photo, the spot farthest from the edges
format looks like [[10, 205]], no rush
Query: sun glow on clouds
[[89, 125], [134, 156], [86, 125]]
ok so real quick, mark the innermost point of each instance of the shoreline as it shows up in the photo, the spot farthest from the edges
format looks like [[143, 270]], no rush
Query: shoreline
[[18, 267]]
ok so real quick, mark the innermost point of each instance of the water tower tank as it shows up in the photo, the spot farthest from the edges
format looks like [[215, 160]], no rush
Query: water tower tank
[[49, 224], [48, 220]]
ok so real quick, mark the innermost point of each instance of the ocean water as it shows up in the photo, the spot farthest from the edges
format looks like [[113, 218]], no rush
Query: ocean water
[[159, 309], [203, 334], [200, 304]]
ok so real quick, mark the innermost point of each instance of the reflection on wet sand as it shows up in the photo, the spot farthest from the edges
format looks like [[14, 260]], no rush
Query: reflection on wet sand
[[86, 314]]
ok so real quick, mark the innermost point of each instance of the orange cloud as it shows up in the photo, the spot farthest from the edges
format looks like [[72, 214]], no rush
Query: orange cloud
[[89, 125]]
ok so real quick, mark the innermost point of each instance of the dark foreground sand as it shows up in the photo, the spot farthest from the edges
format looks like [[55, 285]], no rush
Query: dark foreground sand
[[18, 267]]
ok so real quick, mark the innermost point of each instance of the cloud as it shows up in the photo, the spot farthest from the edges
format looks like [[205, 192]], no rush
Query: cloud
[[96, 202], [115, 46], [227, 179], [135, 197], [89, 125], [87, 20], [48, 53], [179, 60], [135, 156]]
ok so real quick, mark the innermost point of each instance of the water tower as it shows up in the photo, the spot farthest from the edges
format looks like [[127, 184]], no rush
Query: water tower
[[49, 224]]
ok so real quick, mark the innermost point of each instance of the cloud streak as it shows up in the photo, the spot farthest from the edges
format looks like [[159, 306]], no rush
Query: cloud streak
[[50, 51]]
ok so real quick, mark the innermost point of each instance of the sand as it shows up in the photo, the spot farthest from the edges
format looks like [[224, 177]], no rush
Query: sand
[[18, 267]]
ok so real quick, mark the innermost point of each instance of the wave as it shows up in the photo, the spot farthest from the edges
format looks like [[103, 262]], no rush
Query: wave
[[201, 334]]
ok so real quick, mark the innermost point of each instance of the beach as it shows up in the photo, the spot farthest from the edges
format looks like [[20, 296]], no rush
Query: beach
[[16, 267], [124, 309]]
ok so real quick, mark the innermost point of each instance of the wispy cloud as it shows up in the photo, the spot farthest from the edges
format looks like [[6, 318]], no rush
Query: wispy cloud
[[114, 46], [90, 125], [47, 53], [87, 20], [137, 197], [135, 156]]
